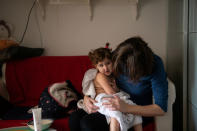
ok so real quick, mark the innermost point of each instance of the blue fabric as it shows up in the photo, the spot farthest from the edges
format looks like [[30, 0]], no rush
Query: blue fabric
[[155, 85]]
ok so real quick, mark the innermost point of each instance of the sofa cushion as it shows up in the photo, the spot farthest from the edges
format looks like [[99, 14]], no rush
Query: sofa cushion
[[26, 79]]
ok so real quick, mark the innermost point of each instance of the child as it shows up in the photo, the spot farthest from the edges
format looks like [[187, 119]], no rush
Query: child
[[104, 85]]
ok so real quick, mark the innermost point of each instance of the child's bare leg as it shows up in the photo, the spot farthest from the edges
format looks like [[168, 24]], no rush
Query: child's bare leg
[[138, 127], [114, 125]]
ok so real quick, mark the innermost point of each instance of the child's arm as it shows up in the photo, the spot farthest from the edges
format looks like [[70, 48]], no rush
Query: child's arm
[[105, 84]]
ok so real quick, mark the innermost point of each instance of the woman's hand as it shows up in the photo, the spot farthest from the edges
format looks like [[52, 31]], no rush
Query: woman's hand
[[89, 104], [116, 103]]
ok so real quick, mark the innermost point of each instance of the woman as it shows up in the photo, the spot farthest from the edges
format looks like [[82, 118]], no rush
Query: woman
[[140, 73]]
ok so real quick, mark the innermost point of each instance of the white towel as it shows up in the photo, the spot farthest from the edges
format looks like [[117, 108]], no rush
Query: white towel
[[126, 120], [88, 84]]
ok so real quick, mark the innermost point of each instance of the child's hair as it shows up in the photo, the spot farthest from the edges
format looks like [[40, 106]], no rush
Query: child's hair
[[99, 55]]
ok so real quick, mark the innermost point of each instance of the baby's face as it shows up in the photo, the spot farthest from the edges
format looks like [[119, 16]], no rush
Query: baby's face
[[105, 67]]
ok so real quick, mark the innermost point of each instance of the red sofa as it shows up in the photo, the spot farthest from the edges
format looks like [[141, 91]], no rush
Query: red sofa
[[26, 79]]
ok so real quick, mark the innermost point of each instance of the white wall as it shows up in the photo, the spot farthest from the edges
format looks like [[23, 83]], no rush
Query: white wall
[[67, 29]]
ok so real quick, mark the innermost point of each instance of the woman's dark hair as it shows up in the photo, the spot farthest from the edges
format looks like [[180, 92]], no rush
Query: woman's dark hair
[[133, 58], [99, 54]]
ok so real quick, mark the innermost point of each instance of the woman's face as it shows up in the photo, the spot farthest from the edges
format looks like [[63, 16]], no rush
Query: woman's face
[[105, 67]]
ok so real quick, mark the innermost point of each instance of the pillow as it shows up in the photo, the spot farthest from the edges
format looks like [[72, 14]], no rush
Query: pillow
[[16, 52], [58, 100]]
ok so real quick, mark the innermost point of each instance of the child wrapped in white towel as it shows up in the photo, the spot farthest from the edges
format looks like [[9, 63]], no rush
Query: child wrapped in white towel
[[100, 83]]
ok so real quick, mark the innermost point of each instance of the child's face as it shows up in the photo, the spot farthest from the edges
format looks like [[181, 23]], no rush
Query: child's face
[[105, 67]]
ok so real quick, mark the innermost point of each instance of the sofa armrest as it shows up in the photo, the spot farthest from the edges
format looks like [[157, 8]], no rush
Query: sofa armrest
[[164, 123]]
